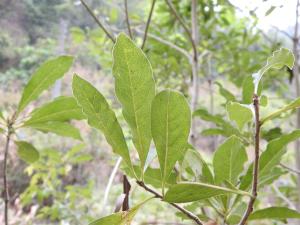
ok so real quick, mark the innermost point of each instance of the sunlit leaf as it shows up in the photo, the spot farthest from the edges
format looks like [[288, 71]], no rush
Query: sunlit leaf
[[43, 78], [229, 160], [60, 109], [27, 151], [101, 116], [59, 128], [276, 213], [170, 127], [239, 113], [189, 192], [293, 105], [120, 218], [135, 89]]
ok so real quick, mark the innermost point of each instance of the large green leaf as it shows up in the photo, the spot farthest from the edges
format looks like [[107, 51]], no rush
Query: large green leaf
[[189, 192], [293, 105], [101, 116], [229, 160], [60, 109], [170, 127], [120, 218], [278, 213], [27, 151], [43, 78], [135, 89], [60, 128], [239, 113], [270, 157]]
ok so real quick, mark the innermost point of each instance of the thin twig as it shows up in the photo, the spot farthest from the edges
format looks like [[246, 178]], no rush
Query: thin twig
[[148, 23], [188, 32], [289, 168], [183, 210], [256, 162], [110, 181], [170, 44], [110, 36], [127, 19], [280, 195]]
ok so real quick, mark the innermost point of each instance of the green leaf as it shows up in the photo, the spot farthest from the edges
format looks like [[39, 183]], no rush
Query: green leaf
[[189, 192], [270, 158], [248, 90], [170, 127], [60, 109], [43, 78], [135, 89], [59, 128], [277, 213], [239, 113], [293, 105], [120, 218], [263, 101], [225, 93], [101, 116], [229, 160], [27, 151], [193, 161], [280, 58]]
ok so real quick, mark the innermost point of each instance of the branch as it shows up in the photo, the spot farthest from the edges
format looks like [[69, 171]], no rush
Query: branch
[[289, 168], [148, 23], [283, 32], [127, 19], [170, 44], [188, 32], [110, 36], [183, 210], [256, 162], [110, 181]]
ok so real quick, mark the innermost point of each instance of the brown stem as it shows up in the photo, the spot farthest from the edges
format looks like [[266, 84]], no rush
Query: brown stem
[[180, 20], [127, 19], [256, 162], [148, 24], [126, 190], [110, 36], [183, 210]]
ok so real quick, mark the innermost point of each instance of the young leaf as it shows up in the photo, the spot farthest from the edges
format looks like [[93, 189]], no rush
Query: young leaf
[[278, 213], [229, 160], [101, 116], [248, 90], [60, 109], [239, 113], [190, 192], [280, 58], [43, 78], [135, 89], [293, 105], [270, 157], [170, 127], [120, 218], [27, 151], [59, 128], [225, 93]]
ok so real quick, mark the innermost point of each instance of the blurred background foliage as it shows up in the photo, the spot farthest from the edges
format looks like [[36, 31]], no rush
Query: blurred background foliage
[[66, 186]]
